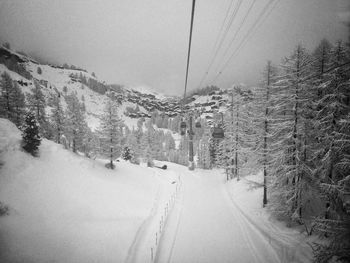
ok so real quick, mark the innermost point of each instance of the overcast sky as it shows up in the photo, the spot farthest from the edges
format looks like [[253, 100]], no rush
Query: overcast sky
[[144, 42]]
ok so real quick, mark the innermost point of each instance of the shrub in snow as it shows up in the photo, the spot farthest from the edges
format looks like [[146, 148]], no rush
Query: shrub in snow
[[135, 161], [150, 163], [133, 143], [30, 135], [39, 71], [126, 153], [110, 165]]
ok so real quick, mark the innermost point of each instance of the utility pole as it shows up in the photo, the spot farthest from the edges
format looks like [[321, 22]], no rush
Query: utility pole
[[232, 160], [190, 145], [236, 153], [265, 132]]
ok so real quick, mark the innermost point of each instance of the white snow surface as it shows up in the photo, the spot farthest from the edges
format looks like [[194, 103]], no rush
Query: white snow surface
[[216, 221], [67, 208], [10, 136], [289, 243]]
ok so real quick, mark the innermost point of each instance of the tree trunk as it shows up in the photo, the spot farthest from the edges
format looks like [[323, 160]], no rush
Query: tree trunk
[[236, 150]]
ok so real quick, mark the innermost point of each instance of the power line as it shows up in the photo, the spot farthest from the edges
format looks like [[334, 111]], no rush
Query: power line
[[217, 40], [232, 18], [222, 26], [262, 15], [249, 32], [239, 28], [268, 14], [228, 26]]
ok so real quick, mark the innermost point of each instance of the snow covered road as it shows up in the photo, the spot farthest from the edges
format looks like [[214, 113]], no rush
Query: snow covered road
[[67, 208], [205, 226]]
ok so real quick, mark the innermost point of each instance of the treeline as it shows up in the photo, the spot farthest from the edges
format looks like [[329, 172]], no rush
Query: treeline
[[296, 127], [160, 120], [15, 106], [66, 66], [163, 139], [92, 83], [68, 126]]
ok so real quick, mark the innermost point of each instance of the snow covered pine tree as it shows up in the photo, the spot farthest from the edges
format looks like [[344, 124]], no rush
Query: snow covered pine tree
[[126, 153], [30, 135], [12, 101], [37, 104], [57, 118], [110, 132]]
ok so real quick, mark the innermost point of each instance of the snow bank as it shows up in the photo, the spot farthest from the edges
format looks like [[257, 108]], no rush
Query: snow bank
[[10, 136], [247, 196], [66, 208]]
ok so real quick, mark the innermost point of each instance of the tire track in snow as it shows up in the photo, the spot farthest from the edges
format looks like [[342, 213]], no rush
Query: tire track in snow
[[279, 243], [243, 228], [138, 241], [281, 237], [166, 252], [257, 243]]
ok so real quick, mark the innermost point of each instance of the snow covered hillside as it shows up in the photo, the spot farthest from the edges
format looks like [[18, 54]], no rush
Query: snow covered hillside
[[61, 204], [90, 91], [88, 88], [67, 208]]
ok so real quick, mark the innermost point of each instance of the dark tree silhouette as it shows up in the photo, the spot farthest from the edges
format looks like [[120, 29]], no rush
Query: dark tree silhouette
[[126, 153], [30, 135]]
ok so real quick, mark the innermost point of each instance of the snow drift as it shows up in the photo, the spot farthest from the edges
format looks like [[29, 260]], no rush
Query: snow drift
[[66, 208]]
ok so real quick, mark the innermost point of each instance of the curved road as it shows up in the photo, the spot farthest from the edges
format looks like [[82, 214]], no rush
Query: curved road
[[205, 226]]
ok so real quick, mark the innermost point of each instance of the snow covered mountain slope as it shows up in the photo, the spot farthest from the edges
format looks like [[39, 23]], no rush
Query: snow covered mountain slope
[[148, 90], [89, 89], [67, 208], [136, 102]]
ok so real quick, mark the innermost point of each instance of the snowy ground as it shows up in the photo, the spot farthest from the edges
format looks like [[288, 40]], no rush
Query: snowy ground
[[67, 208], [216, 221], [289, 243]]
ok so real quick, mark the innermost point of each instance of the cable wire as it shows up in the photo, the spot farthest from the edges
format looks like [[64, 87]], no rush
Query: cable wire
[[217, 41], [239, 28], [189, 45], [262, 15], [222, 26], [227, 29]]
